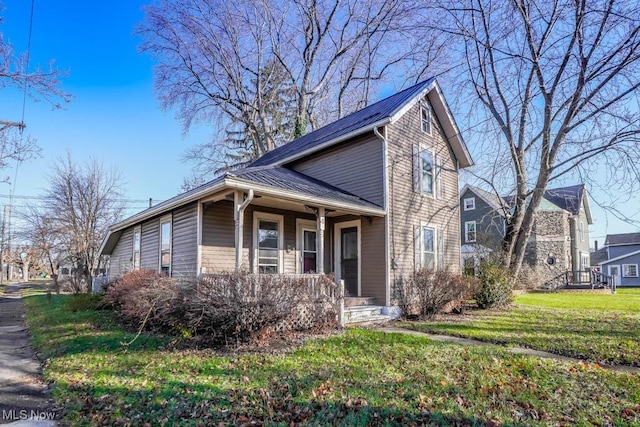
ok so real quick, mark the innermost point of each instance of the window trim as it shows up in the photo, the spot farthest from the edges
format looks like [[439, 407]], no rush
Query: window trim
[[257, 216], [472, 205], [424, 106], [581, 229], [437, 189], [301, 226], [167, 219], [624, 272], [466, 231], [137, 230], [436, 250]]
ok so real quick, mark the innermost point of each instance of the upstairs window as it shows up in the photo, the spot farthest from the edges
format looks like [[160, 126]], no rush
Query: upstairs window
[[581, 231], [470, 204], [425, 118], [470, 231], [136, 248], [428, 170]]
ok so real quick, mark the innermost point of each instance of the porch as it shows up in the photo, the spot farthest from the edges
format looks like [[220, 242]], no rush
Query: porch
[[588, 279]]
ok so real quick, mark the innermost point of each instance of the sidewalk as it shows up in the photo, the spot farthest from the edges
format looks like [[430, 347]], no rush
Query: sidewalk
[[510, 349], [24, 398]]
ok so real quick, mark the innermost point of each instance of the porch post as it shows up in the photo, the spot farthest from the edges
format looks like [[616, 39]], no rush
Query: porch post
[[239, 205], [320, 220]]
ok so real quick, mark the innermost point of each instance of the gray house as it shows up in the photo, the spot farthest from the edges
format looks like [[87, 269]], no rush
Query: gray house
[[370, 197], [621, 258], [560, 237]]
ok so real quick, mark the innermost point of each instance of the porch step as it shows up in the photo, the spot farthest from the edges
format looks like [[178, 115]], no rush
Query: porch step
[[358, 301], [363, 314]]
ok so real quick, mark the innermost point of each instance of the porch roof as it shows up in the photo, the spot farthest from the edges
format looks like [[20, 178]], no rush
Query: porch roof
[[277, 182]]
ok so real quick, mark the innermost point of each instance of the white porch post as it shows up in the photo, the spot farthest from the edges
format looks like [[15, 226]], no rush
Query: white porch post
[[239, 205], [320, 220]]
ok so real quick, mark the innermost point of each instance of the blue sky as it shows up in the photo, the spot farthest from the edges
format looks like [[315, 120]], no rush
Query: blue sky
[[114, 115]]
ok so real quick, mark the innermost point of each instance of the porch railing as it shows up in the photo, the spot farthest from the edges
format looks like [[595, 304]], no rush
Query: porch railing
[[592, 278], [317, 285]]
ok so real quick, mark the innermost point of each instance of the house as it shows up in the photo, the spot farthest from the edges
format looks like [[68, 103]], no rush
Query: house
[[371, 197], [620, 257], [559, 241]]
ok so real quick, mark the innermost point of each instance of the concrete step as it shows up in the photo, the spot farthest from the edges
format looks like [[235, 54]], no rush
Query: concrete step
[[358, 301], [366, 314]]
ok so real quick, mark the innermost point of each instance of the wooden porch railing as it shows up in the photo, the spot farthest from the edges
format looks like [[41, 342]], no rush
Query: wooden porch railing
[[592, 278], [317, 285]]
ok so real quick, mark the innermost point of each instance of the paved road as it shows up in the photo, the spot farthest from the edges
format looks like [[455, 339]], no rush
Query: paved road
[[24, 398]]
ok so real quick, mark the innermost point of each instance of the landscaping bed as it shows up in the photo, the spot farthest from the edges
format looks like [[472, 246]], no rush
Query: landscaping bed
[[361, 377]]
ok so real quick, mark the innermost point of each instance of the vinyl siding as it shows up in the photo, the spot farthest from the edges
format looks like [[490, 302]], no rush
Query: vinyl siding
[[624, 281], [121, 257], [356, 167], [150, 245], [489, 222], [184, 251], [373, 260], [616, 251], [409, 208]]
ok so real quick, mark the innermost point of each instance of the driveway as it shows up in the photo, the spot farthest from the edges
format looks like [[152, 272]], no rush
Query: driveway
[[24, 397]]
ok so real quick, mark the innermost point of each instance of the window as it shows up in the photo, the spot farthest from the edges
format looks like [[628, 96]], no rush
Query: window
[[470, 231], [309, 252], [165, 246], [584, 262], [136, 248], [267, 243], [425, 118], [581, 231], [428, 248], [470, 204], [428, 170], [629, 270]]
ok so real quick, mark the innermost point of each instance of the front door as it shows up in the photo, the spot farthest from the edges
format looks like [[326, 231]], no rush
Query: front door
[[349, 260]]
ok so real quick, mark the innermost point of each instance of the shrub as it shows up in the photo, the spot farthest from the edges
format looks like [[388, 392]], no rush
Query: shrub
[[428, 292], [493, 288]]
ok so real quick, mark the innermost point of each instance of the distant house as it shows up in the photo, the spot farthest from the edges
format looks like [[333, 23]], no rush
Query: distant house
[[620, 257], [559, 241], [371, 197]]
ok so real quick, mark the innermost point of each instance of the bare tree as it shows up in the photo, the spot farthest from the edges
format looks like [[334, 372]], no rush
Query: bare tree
[[270, 69], [555, 92], [83, 201]]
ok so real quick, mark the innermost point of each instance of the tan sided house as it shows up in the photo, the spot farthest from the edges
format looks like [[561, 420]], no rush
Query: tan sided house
[[370, 197]]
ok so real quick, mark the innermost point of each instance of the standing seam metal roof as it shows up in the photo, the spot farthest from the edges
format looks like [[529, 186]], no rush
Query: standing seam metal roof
[[369, 115]]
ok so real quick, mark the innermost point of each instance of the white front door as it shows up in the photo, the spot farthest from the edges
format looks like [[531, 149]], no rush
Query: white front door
[[614, 271]]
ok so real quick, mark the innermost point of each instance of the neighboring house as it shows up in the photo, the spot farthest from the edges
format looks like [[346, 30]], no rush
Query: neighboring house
[[370, 197], [620, 258], [560, 237]]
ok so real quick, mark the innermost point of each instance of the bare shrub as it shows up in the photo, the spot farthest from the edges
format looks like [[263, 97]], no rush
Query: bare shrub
[[429, 292], [240, 307]]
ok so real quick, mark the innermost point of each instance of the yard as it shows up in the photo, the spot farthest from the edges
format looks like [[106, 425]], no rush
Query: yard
[[602, 328], [361, 377]]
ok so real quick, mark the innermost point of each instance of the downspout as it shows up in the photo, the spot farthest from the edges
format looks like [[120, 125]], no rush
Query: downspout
[[388, 232], [239, 223]]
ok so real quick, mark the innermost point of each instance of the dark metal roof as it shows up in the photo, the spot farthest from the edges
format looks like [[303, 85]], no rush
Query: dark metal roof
[[597, 257], [290, 180], [567, 198], [622, 239], [368, 116]]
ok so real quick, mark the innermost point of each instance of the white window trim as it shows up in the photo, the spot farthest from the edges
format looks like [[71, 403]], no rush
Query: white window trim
[[164, 220], [466, 231], [472, 204], [257, 216], [424, 105], [137, 229], [301, 226], [437, 191], [623, 272], [337, 249], [581, 231], [420, 243]]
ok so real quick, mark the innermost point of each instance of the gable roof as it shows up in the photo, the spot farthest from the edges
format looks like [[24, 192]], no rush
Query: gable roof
[[621, 257], [493, 200], [622, 239], [366, 120]]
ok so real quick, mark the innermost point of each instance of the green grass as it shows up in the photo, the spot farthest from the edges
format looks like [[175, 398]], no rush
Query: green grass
[[599, 328], [361, 377]]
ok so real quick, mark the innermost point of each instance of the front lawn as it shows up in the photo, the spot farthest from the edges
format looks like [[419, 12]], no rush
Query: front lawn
[[361, 377], [598, 327]]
